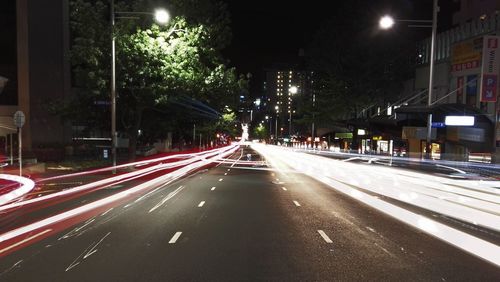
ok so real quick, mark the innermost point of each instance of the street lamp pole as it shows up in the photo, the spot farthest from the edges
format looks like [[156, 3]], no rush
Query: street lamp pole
[[162, 17], [312, 128], [387, 22], [113, 86], [435, 10]]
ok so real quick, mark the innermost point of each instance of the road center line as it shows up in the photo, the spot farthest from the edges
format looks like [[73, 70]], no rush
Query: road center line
[[325, 237], [284, 189], [296, 203], [175, 237], [201, 204], [220, 179], [213, 188]]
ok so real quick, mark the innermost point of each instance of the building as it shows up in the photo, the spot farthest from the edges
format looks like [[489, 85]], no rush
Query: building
[[288, 91], [466, 59], [40, 74]]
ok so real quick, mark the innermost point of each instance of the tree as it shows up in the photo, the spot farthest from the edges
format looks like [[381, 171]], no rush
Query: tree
[[154, 63], [354, 65], [260, 131]]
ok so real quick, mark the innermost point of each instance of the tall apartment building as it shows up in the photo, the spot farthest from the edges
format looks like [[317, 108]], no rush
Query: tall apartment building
[[289, 92]]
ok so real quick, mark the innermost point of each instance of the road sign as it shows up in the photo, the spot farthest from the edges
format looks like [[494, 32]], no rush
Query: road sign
[[438, 125], [19, 119]]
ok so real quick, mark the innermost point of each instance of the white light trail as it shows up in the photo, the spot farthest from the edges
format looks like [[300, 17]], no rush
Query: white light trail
[[26, 185], [419, 189], [136, 190], [214, 156]]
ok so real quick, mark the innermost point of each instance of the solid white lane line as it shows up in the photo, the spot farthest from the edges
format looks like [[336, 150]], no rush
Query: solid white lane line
[[296, 203], [220, 179], [213, 188], [201, 204], [24, 241], [175, 237], [325, 237], [284, 189]]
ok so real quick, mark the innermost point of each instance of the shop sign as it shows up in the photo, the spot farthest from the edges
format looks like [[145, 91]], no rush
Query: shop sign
[[490, 67]]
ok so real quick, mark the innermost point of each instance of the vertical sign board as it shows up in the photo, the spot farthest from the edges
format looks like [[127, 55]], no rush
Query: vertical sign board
[[489, 69]]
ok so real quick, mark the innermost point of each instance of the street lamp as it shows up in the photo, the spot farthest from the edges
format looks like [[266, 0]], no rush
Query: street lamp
[[162, 17], [387, 22]]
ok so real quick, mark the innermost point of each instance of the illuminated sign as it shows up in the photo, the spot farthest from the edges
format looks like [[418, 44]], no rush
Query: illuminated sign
[[347, 135], [361, 132], [376, 138], [466, 55], [489, 70], [459, 120]]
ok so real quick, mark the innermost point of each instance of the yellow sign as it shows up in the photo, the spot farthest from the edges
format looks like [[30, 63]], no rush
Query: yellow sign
[[376, 138], [466, 55]]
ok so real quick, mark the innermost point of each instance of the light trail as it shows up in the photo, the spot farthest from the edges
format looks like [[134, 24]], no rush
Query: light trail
[[103, 203], [25, 186], [141, 163], [123, 177], [414, 188]]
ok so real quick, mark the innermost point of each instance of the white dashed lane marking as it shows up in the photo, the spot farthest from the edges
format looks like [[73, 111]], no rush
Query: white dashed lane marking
[[296, 203], [325, 237], [175, 238]]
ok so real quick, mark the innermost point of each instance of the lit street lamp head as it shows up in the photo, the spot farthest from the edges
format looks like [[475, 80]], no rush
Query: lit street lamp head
[[162, 16], [386, 22], [293, 90]]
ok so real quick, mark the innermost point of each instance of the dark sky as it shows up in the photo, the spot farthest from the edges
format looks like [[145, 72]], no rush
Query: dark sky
[[272, 31]]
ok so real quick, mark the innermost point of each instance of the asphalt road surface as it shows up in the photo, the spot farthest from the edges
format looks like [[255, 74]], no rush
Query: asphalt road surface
[[239, 222]]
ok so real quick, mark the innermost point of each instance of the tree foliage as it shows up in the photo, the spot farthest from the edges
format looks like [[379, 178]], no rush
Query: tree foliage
[[356, 65], [154, 63]]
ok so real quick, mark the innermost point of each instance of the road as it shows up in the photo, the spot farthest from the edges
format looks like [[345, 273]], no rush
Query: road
[[242, 222]]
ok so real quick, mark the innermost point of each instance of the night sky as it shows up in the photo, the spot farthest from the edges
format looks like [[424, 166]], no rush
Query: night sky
[[267, 32], [273, 31]]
